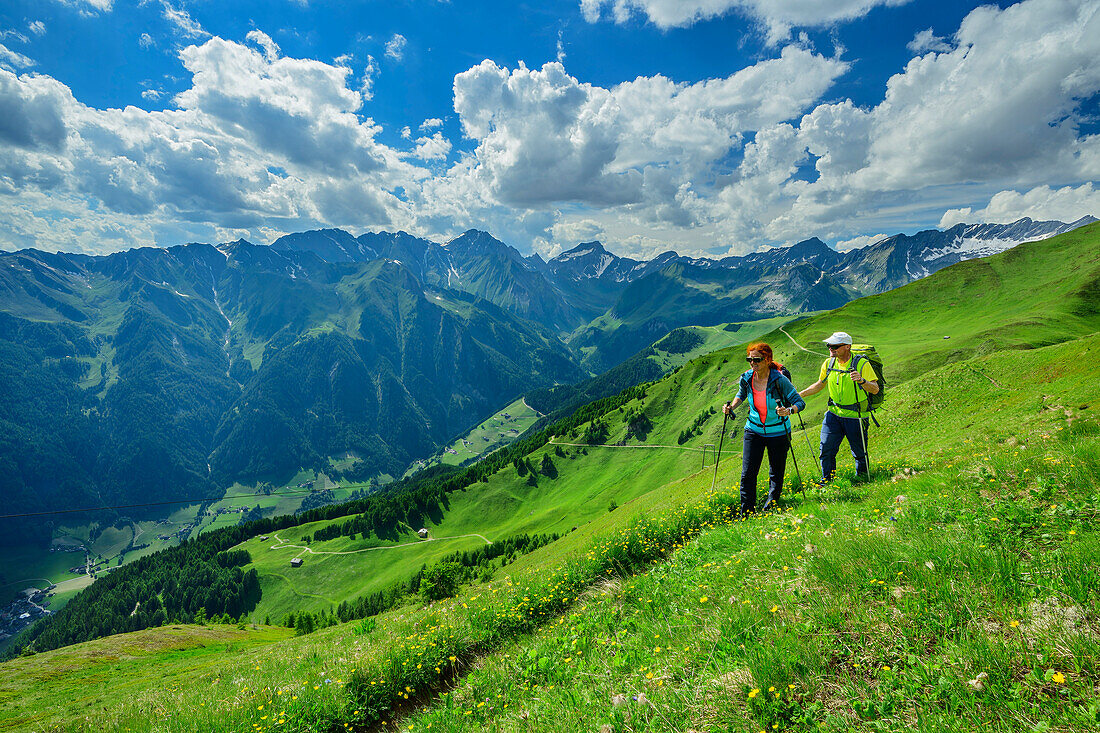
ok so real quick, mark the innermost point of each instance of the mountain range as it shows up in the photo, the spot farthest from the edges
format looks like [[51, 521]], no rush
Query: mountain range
[[161, 373]]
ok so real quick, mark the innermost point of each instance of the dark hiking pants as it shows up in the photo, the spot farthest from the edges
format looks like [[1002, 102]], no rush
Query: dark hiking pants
[[751, 459]]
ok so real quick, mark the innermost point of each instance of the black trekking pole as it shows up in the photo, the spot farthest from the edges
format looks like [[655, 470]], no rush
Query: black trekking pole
[[717, 458], [790, 450], [810, 445]]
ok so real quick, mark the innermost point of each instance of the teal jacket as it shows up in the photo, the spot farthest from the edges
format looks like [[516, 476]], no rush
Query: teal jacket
[[780, 393]]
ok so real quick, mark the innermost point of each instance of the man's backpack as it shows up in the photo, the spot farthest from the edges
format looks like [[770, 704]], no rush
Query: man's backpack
[[868, 352]]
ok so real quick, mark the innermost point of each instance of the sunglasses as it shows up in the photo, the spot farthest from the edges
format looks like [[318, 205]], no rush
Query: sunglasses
[[834, 347], [754, 359]]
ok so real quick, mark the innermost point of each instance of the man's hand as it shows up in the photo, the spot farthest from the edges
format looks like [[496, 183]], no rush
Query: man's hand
[[727, 409], [855, 376]]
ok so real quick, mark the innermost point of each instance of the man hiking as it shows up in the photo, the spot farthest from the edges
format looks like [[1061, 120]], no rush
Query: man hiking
[[849, 381]]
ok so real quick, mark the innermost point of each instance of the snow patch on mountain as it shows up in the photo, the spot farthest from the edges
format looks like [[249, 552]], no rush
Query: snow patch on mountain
[[971, 247]]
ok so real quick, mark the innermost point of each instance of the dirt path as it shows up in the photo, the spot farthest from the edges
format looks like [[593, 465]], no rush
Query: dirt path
[[798, 344], [283, 545], [524, 401]]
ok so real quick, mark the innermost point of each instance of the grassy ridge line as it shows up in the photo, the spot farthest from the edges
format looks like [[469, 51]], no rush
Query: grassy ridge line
[[1035, 294], [303, 659]]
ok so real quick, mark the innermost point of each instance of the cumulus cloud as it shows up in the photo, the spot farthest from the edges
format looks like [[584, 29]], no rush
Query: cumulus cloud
[[574, 231], [13, 59], [926, 40], [1067, 204], [543, 137], [435, 147], [152, 95], [777, 16], [395, 47], [1001, 109], [859, 242], [255, 141], [35, 108], [261, 39], [431, 123]]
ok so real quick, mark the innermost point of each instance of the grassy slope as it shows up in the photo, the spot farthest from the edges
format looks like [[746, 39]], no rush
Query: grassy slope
[[833, 631], [483, 439], [930, 418], [968, 303]]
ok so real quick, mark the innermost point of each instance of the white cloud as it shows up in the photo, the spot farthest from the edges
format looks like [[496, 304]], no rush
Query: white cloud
[[543, 137], [89, 7], [406, 132], [35, 108], [146, 41], [926, 40], [1041, 203], [435, 147], [370, 71], [561, 48], [261, 39], [574, 231], [1000, 110], [431, 123], [254, 142], [859, 242], [182, 20], [778, 16], [395, 47], [37, 27], [13, 59], [152, 94]]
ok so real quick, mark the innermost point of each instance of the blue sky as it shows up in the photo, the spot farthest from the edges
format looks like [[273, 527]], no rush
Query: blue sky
[[705, 126]]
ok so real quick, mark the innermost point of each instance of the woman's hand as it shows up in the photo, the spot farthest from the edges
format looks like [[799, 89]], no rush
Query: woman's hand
[[784, 411]]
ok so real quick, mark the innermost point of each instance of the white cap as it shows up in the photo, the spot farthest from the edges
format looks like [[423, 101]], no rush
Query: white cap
[[839, 338]]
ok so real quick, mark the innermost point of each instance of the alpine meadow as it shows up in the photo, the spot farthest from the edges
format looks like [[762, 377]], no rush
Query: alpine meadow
[[412, 366]]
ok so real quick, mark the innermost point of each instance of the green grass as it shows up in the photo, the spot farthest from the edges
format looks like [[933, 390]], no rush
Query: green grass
[[1007, 523], [105, 671], [493, 433], [26, 567]]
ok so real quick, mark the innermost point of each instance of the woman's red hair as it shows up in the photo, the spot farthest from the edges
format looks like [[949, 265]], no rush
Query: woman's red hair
[[766, 350]]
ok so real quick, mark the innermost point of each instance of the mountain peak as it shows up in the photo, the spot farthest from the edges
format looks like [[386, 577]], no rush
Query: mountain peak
[[806, 246]]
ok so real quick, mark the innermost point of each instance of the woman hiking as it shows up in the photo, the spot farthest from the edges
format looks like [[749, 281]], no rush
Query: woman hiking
[[772, 398]]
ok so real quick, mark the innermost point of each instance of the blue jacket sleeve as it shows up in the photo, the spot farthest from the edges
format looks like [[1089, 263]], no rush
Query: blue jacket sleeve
[[743, 389]]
